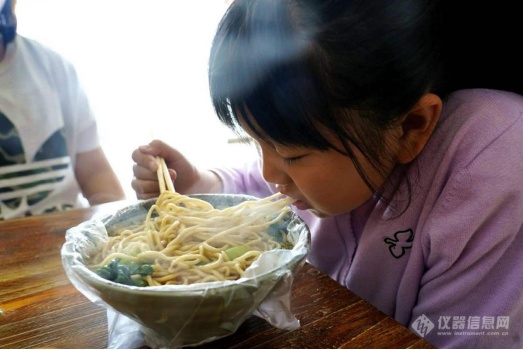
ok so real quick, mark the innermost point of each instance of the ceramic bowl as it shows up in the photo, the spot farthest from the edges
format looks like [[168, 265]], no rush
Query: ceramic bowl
[[173, 315]]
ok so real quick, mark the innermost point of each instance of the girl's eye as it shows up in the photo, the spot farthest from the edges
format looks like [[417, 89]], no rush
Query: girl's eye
[[291, 160]]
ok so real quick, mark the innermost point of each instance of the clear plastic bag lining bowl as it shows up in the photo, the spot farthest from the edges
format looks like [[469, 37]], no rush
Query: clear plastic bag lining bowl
[[183, 315]]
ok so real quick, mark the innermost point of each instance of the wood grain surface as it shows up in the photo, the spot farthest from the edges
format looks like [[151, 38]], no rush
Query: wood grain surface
[[42, 309]]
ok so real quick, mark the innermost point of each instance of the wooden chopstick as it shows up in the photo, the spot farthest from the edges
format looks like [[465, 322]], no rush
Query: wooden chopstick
[[164, 179]]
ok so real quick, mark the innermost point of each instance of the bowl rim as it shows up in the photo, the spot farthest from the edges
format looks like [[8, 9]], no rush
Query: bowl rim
[[89, 277]]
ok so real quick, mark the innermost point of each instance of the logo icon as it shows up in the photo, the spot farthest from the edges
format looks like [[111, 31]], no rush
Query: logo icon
[[400, 243], [422, 325]]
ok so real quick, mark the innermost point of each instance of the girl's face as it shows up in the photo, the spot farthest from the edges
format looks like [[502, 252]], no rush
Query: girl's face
[[323, 182]]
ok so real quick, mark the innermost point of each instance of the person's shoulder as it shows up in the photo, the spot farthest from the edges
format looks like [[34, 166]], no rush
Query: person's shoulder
[[483, 105], [475, 150], [475, 191], [40, 52], [473, 119], [33, 45]]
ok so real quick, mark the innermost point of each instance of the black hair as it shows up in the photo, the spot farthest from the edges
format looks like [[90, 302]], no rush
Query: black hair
[[352, 67]]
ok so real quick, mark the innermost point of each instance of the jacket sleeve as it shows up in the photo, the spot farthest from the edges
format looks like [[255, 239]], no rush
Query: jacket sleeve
[[246, 179]]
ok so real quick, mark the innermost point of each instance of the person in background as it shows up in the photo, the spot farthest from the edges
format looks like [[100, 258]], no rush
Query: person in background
[[406, 163], [50, 153]]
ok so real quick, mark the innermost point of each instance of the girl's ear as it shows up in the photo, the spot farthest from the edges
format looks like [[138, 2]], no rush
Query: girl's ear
[[417, 127]]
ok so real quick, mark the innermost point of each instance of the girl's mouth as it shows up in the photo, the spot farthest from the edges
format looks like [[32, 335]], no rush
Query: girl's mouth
[[301, 205]]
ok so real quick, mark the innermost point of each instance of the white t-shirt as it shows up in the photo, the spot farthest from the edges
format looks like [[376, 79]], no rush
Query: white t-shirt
[[45, 120]]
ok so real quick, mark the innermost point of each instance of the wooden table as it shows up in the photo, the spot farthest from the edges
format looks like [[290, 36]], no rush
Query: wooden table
[[42, 309]]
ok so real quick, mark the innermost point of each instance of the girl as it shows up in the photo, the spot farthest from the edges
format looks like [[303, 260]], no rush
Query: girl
[[411, 184]]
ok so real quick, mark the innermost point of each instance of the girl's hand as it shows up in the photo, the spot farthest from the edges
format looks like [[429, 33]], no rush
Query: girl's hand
[[186, 177]]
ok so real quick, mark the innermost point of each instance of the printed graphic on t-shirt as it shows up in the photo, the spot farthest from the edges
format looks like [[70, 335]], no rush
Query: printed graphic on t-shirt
[[400, 243], [24, 184]]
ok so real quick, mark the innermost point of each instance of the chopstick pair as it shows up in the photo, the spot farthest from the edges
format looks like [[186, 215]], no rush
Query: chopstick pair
[[164, 179]]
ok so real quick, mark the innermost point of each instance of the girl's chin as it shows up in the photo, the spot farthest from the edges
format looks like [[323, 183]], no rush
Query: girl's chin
[[319, 214]]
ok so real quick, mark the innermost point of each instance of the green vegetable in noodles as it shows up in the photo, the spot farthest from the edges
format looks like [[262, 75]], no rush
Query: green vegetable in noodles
[[126, 272], [236, 252]]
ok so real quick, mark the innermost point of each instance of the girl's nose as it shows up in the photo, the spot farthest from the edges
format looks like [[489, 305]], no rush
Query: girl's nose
[[272, 173]]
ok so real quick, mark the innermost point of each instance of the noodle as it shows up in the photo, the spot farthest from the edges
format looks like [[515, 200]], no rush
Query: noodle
[[186, 240]]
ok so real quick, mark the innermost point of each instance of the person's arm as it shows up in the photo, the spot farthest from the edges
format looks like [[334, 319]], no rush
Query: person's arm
[[96, 178], [246, 179], [188, 179]]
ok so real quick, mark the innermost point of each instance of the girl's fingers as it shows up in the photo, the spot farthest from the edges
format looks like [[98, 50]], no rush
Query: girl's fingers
[[143, 173], [145, 189]]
